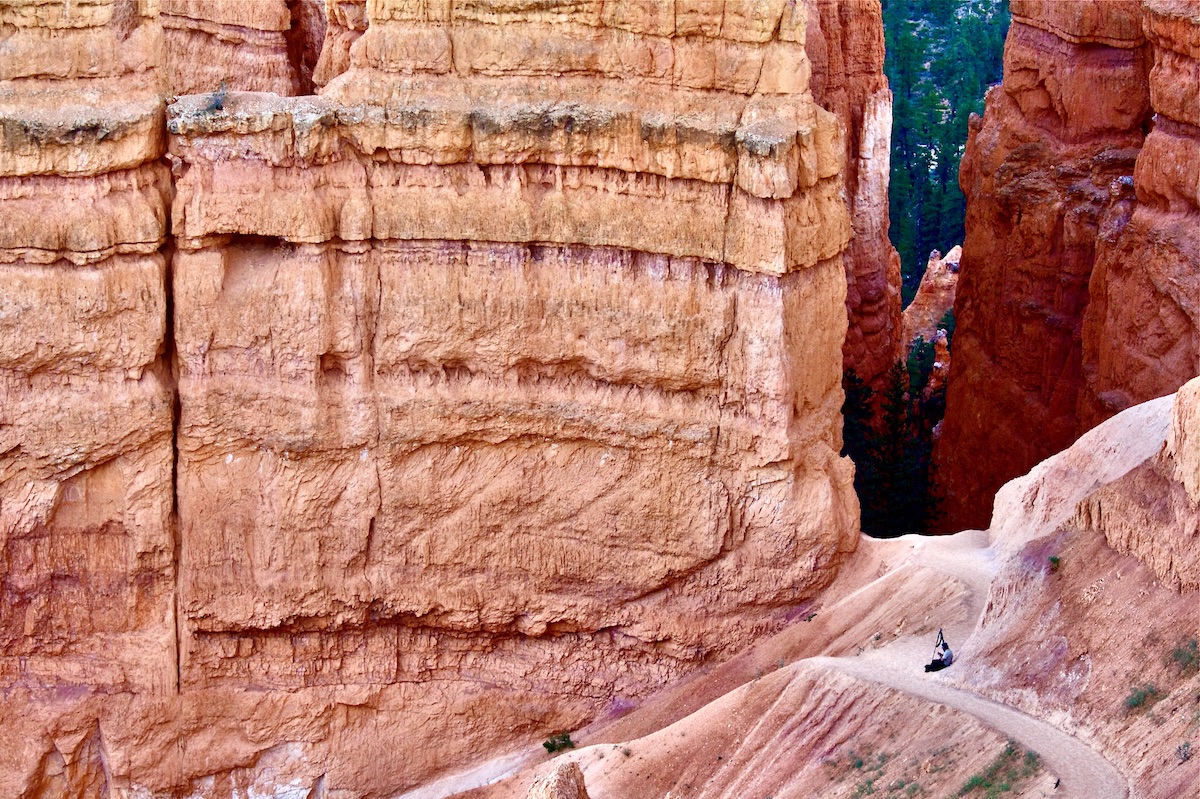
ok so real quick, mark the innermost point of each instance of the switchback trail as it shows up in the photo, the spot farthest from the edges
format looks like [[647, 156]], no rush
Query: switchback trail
[[1084, 772], [967, 557]]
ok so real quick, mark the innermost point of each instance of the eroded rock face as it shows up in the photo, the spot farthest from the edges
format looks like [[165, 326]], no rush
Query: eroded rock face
[[1079, 288], [845, 45], [264, 45], [1141, 332], [1153, 512], [843, 42], [934, 298], [922, 320], [87, 562], [466, 351], [495, 384]]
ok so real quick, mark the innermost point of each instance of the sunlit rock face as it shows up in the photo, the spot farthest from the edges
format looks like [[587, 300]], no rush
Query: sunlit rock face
[[495, 384], [87, 562], [1080, 287]]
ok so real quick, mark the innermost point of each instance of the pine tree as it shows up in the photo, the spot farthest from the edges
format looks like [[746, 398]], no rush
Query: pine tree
[[941, 57]]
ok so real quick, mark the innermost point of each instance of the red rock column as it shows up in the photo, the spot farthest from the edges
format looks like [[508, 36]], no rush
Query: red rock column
[[1141, 333], [509, 365], [1064, 128], [845, 43]]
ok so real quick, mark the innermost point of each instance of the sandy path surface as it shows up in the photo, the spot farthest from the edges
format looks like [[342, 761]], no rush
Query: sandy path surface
[[968, 558], [1083, 772]]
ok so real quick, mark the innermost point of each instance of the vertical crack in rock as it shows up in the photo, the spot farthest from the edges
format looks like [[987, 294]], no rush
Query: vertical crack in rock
[[172, 368]]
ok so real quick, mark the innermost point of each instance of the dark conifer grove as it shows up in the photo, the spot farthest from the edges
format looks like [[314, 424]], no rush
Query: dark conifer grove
[[942, 55]]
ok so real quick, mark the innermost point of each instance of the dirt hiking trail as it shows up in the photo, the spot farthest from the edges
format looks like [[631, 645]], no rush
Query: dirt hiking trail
[[964, 560], [1083, 772]]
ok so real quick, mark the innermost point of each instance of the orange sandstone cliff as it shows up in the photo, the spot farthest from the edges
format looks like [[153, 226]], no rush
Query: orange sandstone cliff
[[1080, 290], [497, 384], [248, 45]]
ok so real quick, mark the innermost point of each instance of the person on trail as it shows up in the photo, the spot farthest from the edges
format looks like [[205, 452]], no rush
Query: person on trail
[[943, 656]]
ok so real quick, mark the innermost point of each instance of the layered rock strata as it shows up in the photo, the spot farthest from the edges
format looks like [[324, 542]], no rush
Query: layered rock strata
[[498, 383], [843, 42], [510, 331], [246, 45], [1079, 288], [87, 560], [845, 45]]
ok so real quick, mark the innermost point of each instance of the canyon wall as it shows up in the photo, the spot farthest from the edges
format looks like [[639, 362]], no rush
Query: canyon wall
[[87, 562], [1081, 267], [495, 385], [845, 45], [262, 45]]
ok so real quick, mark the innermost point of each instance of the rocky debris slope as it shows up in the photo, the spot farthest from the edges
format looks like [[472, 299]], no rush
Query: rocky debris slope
[[496, 384], [1069, 636], [1092, 620], [1082, 259]]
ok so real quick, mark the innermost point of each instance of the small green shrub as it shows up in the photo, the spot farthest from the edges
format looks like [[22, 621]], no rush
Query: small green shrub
[[1186, 657], [1004, 774], [1142, 697], [558, 743], [865, 788], [1055, 564]]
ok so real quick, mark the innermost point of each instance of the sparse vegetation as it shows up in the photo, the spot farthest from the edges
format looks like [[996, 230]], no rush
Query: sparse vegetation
[[1183, 752], [1055, 564], [1142, 697], [216, 101], [559, 742], [894, 475], [1004, 774], [1186, 657], [870, 771], [871, 768]]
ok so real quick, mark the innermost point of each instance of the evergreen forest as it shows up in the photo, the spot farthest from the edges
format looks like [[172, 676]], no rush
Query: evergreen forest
[[942, 55]]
